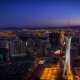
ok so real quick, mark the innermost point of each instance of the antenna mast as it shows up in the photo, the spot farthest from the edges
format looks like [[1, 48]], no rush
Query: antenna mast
[[68, 24]]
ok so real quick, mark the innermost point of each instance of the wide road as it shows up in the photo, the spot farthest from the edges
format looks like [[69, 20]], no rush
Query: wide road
[[50, 73]]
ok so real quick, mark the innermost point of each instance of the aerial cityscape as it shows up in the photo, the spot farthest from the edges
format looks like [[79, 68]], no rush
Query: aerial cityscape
[[40, 40]]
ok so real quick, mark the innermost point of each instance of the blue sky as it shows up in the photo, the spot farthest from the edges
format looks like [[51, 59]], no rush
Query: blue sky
[[39, 13]]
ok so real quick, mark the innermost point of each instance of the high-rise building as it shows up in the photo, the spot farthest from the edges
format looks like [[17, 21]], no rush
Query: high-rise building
[[3, 48], [17, 48], [54, 39]]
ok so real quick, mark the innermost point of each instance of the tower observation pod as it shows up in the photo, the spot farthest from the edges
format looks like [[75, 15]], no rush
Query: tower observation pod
[[67, 73]]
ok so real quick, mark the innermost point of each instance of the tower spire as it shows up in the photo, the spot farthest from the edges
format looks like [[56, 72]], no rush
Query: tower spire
[[68, 24]]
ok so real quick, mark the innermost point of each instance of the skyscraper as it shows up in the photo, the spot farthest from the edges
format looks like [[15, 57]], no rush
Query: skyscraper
[[54, 39]]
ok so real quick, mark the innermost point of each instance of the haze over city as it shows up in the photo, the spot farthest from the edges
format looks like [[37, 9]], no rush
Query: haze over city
[[39, 13], [39, 40]]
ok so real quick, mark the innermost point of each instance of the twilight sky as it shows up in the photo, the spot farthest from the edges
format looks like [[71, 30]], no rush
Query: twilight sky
[[39, 13]]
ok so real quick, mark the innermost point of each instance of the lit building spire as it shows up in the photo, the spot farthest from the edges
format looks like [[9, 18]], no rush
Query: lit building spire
[[67, 67]]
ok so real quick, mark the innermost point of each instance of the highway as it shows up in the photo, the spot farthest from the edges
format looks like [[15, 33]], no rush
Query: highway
[[50, 73]]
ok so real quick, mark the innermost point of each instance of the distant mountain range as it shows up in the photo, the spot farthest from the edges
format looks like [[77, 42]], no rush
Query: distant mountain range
[[39, 27]]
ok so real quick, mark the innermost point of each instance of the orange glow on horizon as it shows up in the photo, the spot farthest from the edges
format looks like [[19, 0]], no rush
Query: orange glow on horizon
[[60, 23]]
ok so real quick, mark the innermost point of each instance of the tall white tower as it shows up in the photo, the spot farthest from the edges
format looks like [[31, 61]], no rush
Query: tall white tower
[[67, 67]]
